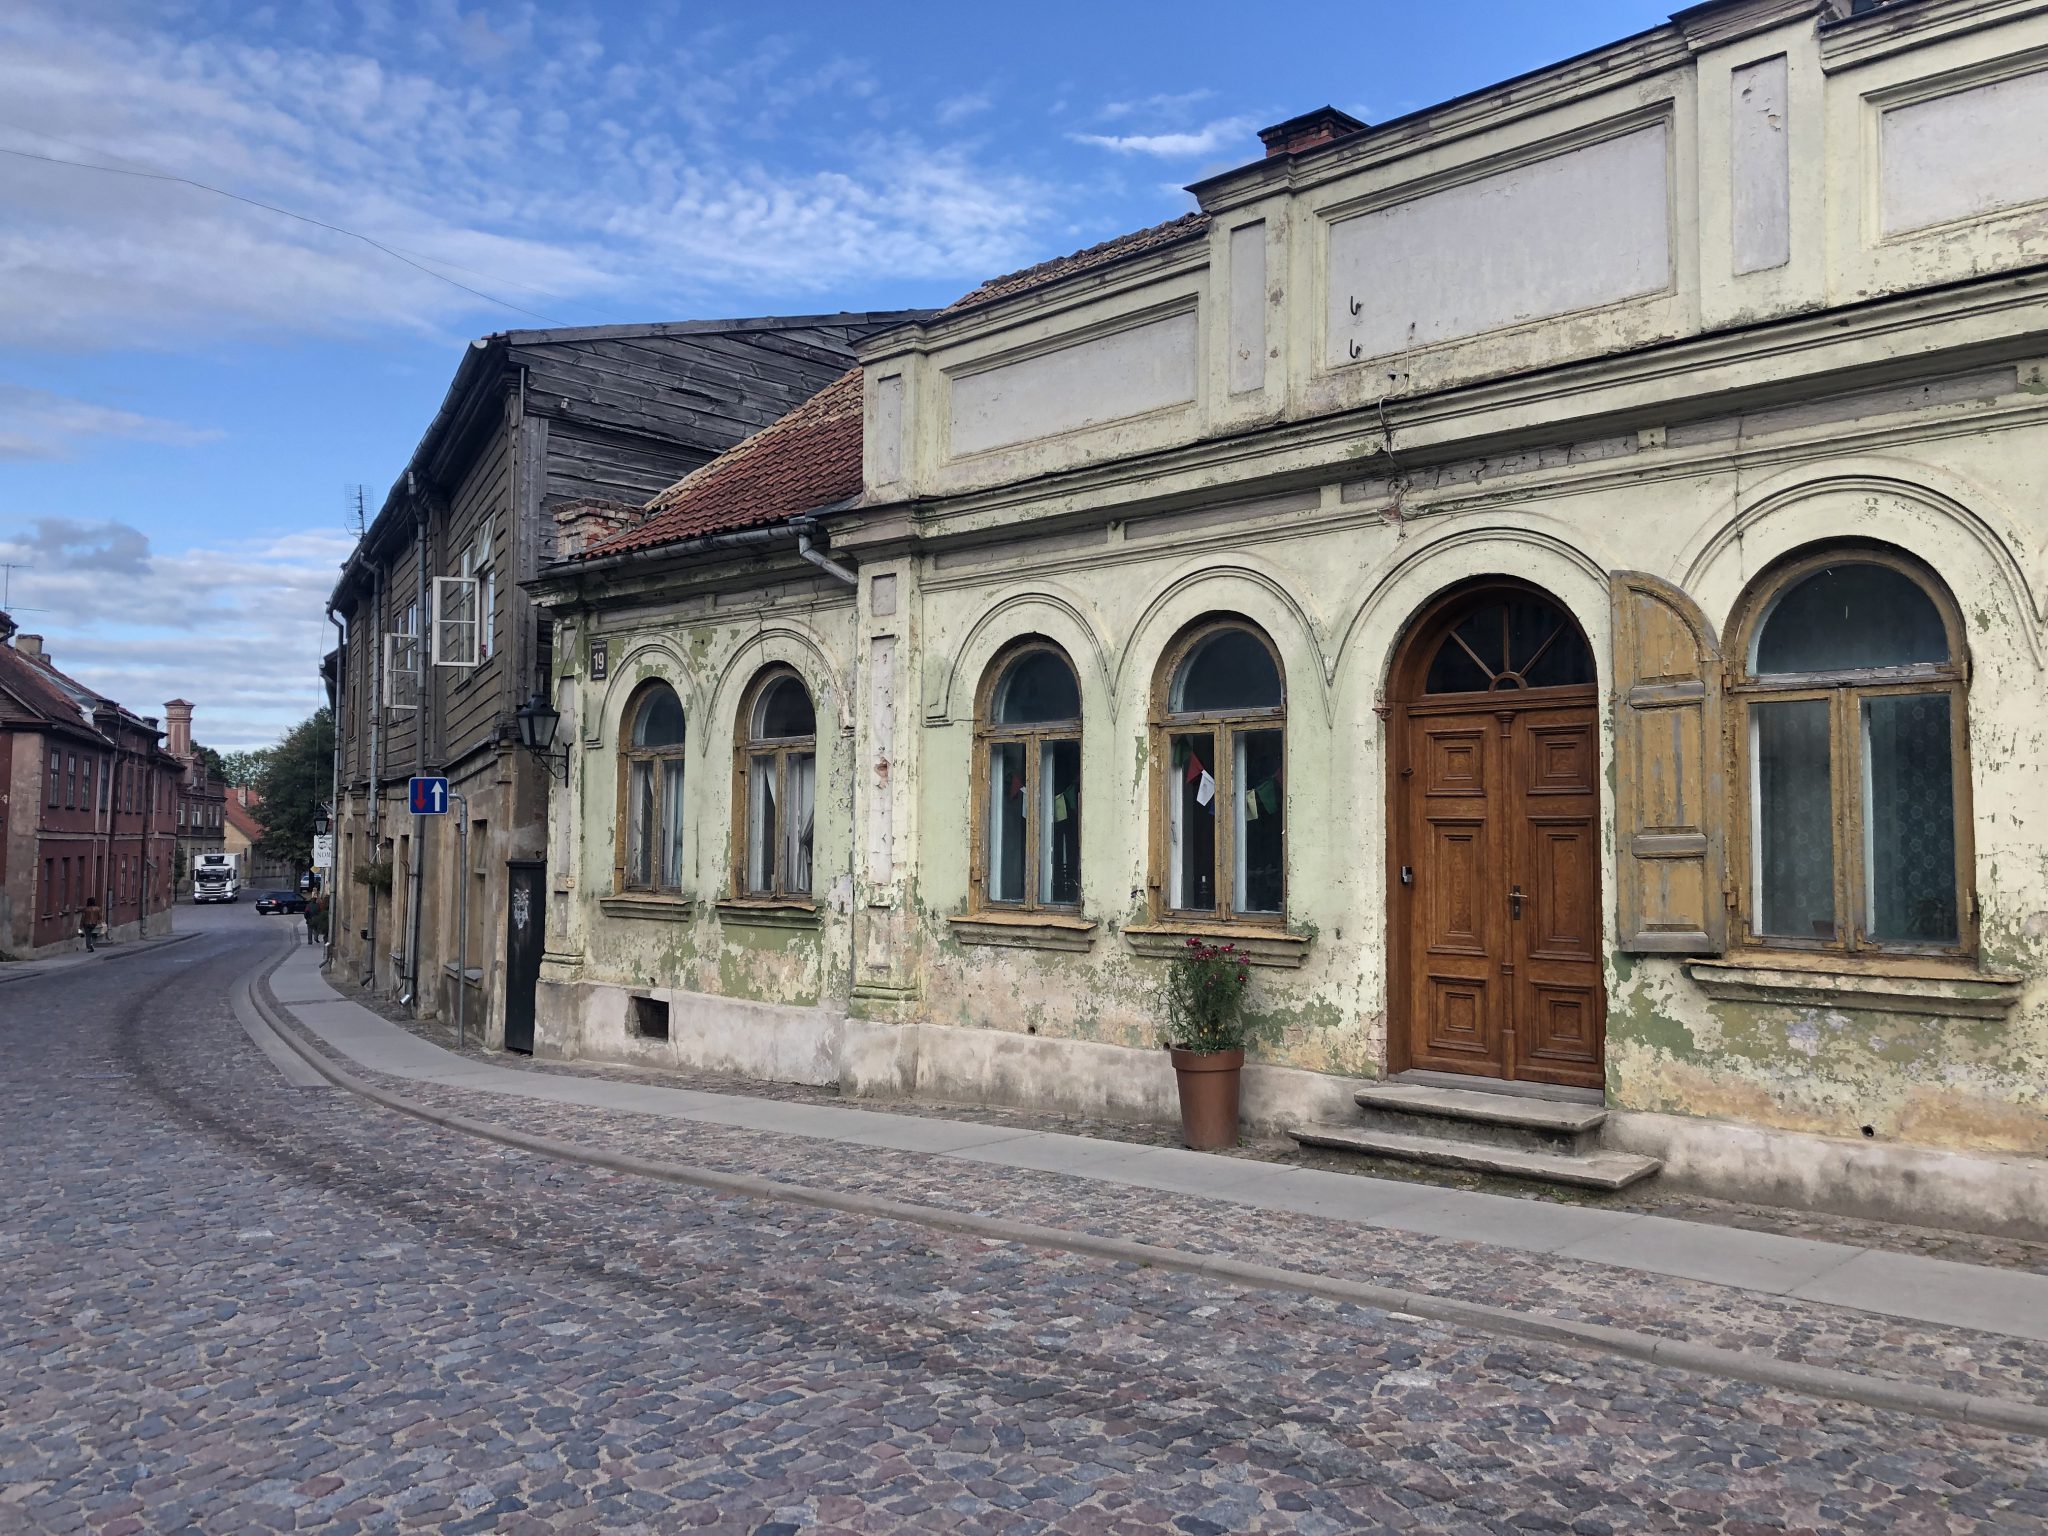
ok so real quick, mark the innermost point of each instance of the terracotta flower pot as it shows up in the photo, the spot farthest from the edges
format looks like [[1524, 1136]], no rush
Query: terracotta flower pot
[[1208, 1096]]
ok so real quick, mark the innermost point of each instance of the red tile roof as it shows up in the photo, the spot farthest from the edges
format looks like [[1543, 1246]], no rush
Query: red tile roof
[[1188, 226], [243, 817], [809, 459]]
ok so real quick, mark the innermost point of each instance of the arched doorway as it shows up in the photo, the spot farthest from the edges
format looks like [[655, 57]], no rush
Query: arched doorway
[[1494, 836]]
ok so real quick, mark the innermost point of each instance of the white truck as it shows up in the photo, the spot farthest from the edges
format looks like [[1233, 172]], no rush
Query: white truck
[[216, 877]]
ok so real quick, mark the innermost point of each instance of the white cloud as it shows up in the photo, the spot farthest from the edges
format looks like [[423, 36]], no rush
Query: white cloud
[[1158, 106], [237, 626], [957, 109], [518, 157], [36, 424], [1212, 138]]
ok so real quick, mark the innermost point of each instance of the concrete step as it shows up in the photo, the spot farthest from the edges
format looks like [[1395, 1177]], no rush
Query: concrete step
[[1498, 1119], [1585, 1170]]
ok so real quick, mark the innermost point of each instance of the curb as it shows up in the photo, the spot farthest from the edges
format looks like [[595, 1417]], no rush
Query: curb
[[1826, 1383], [112, 952]]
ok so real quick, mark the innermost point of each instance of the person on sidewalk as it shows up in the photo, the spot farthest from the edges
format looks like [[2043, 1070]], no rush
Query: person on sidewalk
[[316, 918], [89, 922]]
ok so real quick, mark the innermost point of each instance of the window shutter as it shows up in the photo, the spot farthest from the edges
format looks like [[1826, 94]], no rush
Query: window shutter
[[1671, 783]]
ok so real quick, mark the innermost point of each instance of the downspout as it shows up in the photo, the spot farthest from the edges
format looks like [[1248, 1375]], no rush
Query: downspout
[[422, 719], [372, 819], [331, 895], [805, 528]]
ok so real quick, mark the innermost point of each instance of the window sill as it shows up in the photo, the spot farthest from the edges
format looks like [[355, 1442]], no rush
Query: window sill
[[670, 909], [1274, 947], [1948, 988], [1026, 930], [769, 914]]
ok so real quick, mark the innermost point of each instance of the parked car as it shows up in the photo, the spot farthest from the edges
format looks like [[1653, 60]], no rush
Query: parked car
[[280, 901]]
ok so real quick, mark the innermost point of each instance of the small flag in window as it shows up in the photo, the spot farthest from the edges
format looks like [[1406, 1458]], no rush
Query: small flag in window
[[1206, 791]]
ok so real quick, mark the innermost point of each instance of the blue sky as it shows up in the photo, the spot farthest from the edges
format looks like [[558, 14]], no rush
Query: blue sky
[[189, 385]]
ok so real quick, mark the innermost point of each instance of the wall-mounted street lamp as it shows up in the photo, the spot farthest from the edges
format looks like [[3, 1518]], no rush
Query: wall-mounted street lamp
[[322, 820], [538, 722]]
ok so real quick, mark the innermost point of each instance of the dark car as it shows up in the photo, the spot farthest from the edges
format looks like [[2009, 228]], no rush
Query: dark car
[[280, 901]]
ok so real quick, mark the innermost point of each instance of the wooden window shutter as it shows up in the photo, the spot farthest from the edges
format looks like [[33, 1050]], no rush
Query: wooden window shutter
[[1671, 781]]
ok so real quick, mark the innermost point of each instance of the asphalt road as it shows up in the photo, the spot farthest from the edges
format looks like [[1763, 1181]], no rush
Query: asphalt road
[[230, 1304]]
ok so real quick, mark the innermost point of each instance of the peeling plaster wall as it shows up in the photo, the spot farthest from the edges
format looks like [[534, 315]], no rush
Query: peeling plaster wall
[[1698, 433], [696, 950]]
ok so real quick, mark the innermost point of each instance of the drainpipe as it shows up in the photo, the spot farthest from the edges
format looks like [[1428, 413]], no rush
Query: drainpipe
[[373, 820], [421, 717], [331, 895], [808, 527]]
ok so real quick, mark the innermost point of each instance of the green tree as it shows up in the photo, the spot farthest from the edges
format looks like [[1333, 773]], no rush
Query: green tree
[[296, 781], [245, 769], [210, 758]]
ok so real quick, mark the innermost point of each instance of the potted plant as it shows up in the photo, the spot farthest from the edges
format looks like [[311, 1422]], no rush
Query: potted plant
[[1206, 1034]]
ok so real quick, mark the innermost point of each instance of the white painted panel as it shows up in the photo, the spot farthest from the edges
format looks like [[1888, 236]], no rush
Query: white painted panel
[[1761, 164], [1125, 373], [1580, 229], [889, 429], [1966, 153], [1248, 309], [882, 789]]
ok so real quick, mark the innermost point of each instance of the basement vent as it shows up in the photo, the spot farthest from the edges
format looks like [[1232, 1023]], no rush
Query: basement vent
[[650, 1018]]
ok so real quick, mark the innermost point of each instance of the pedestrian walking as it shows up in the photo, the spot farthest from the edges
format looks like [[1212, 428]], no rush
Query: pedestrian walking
[[89, 922], [316, 918]]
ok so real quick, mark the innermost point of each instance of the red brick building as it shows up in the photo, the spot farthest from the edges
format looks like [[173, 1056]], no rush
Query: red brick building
[[87, 796]]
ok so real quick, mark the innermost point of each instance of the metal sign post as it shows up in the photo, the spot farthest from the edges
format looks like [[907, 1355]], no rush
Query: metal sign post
[[429, 795]]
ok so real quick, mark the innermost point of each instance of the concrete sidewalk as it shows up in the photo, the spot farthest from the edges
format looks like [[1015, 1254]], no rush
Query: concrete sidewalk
[[2010, 1302]]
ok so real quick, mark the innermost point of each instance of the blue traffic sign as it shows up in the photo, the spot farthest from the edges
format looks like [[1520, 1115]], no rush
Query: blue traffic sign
[[430, 796]]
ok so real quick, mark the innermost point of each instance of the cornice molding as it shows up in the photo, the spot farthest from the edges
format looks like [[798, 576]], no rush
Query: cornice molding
[[1858, 40]]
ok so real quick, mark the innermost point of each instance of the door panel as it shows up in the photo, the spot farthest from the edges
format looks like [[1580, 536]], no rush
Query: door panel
[[1453, 839], [1558, 992], [1500, 802]]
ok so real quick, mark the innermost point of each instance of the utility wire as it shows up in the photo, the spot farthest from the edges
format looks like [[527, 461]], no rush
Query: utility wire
[[497, 278], [118, 170]]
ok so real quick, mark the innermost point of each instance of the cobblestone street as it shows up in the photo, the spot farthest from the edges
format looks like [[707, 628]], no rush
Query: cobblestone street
[[230, 1304]]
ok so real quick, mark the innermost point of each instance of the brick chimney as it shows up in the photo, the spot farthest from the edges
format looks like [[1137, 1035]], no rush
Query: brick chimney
[[30, 645], [178, 729], [1311, 130], [580, 524]]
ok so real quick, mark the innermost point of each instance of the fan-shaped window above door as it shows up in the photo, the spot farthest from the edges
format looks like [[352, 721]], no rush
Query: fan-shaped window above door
[[1515, 643]]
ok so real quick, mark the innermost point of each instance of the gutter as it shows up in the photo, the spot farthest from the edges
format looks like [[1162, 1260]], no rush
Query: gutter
[[811, 544]]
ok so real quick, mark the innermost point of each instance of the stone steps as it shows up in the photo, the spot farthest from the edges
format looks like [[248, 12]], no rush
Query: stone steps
[[1581, 1170], [1501, 1119], [1554, 1139]]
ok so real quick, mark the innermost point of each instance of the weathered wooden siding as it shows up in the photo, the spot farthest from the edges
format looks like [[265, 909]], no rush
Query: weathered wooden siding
[[469, 701]]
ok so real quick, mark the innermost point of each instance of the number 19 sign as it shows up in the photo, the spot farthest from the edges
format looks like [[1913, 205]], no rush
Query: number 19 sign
[[430, 796]]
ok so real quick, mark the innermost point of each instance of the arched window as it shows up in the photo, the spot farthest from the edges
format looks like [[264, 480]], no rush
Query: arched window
[[1028, 780], [651, 791], [1220, 721], [777, 769], [1849, 679]]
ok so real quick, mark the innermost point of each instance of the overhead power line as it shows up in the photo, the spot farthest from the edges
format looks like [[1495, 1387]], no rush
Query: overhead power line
[[378, 245]]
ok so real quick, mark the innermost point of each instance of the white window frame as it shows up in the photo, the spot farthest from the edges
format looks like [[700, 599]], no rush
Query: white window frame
[[455, 624], [476, 564], [401, 672]]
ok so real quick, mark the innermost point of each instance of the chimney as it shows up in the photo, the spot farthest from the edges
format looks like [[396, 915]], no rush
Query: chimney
[[1311, 130], [178, 730], [30, 645], [581, 524]]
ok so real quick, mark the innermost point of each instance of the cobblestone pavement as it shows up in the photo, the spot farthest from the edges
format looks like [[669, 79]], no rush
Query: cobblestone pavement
[[1927, 1242], [227, 1304]]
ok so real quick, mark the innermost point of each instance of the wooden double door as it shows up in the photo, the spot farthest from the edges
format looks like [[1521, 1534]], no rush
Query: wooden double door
[[1496, 846]]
